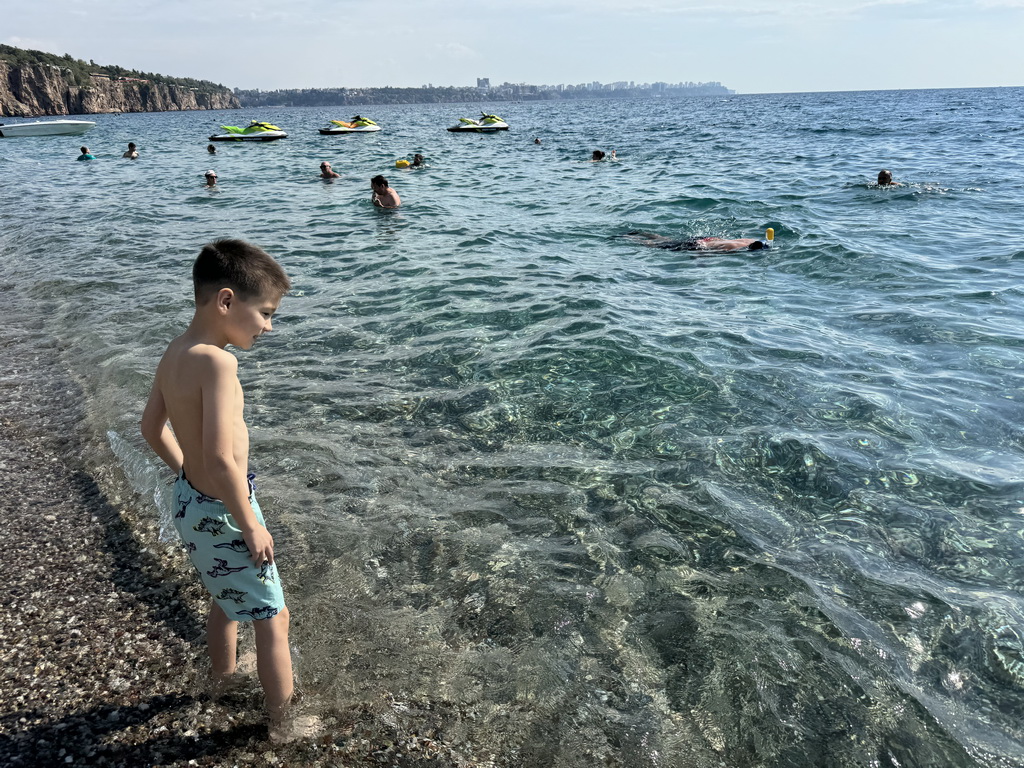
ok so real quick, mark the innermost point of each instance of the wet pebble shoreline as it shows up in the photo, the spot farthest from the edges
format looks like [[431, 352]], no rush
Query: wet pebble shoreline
[[102, 628]]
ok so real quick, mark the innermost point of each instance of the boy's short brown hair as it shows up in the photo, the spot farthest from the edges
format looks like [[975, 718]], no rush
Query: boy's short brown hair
[[243, 267]]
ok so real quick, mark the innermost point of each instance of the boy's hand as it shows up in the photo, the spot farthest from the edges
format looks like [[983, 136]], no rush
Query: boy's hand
[[260, 544]]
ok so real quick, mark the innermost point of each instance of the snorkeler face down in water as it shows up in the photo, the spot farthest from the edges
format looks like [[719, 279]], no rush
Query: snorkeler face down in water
[[698, 245]]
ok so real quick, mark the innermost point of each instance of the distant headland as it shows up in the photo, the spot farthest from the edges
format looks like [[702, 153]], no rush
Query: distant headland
[[38, 83], [484, 91]]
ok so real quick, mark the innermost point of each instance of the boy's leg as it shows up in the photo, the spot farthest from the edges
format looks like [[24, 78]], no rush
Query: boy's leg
[[274, 661], [221, 642]]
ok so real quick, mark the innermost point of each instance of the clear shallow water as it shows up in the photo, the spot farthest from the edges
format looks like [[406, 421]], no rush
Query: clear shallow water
[[596, 503]]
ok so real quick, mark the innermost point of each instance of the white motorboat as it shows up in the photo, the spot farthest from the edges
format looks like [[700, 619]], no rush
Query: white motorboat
[[46, 128]]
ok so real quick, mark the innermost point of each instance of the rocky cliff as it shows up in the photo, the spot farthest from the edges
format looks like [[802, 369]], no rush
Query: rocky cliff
[[43, 89]]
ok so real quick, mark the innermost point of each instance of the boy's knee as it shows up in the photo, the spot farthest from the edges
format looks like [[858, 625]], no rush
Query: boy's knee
[[273, 625]]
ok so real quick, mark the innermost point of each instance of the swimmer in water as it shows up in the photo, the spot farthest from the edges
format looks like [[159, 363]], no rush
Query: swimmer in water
[[698, 245], [383, 196], [885, 179], [418, 162], [597, 156], [326, 172]]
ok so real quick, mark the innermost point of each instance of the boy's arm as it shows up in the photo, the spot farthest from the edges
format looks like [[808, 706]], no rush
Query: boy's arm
[[156, 432], [220, 387]]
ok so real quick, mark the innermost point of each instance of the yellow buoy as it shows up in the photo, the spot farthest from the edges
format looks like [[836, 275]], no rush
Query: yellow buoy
[[401, 163], [769, 234]]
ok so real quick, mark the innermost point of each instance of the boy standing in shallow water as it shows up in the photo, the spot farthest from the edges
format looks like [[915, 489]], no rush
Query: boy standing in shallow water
[[238, 287]]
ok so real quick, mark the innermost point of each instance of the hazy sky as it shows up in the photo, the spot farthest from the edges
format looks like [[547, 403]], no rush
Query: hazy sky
[[752, 46]]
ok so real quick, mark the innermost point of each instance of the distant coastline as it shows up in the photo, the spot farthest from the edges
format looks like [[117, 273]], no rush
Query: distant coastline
[[38, 83], [315, 97]]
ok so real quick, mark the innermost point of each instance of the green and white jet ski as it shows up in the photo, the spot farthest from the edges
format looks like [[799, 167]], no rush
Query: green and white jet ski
[[356, 125], [486, 124], [255, 131]]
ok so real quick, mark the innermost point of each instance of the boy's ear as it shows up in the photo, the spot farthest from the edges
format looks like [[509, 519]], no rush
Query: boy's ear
[[224, 298]]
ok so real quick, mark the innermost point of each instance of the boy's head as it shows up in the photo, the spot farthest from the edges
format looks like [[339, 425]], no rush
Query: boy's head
[[884, 177], [379, 183], [85, 150], [243, 267]]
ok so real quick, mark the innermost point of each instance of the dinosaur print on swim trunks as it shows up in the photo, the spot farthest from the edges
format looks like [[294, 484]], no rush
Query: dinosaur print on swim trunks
[[223, 569], [216, 547], [210, 525], [266, 612], [235, 545], [266, 573]]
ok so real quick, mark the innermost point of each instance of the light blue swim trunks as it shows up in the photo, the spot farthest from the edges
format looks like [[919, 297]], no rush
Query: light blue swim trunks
[[244, 590]]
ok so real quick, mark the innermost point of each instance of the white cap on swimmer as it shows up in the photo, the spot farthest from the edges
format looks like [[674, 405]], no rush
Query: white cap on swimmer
[[211, 173]]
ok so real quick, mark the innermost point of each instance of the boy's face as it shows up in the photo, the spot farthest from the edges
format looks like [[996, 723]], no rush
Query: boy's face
[[248, 319]]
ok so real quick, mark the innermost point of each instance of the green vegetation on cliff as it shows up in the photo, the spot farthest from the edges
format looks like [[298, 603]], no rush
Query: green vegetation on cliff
[[82, 73]]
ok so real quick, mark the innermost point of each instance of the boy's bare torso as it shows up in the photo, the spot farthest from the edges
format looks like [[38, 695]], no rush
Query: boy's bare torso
[[178, 377]]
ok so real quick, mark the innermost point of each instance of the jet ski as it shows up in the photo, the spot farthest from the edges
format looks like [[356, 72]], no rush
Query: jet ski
[[486, 124], [356, 125], [255, 131]]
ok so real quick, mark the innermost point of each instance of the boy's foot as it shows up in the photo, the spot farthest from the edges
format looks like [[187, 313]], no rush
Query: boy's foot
[[288, 724]]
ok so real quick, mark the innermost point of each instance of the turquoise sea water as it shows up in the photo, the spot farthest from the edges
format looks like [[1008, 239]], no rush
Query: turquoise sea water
[[596, 503]]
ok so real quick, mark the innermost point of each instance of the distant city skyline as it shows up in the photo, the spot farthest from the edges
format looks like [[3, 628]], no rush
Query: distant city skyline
[[428, 93], [750, 46], [483, 84]]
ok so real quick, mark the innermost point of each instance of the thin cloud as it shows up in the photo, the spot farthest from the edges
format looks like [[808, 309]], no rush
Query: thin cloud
[[457, 51], [33, 43]]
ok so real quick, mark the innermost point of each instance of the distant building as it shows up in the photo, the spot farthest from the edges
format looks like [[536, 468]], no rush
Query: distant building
[[483, 82]]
